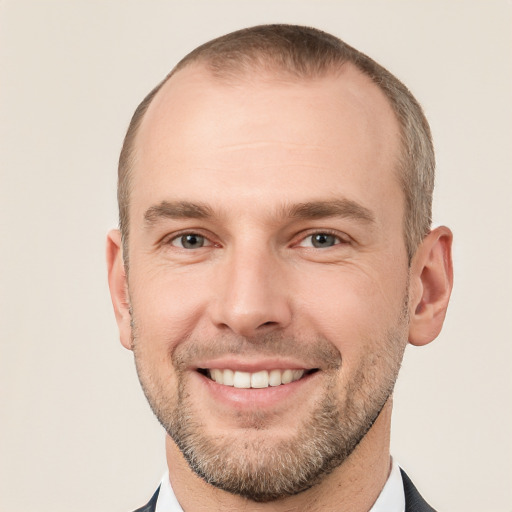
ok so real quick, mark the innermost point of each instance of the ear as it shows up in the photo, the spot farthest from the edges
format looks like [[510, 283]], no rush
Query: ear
[[119, 287], [431, 286]]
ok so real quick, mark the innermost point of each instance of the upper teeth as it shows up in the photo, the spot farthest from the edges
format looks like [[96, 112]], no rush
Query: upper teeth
[[261, 379]]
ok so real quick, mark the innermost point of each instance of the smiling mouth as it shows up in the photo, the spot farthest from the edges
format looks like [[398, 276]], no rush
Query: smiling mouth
[[255, 380]]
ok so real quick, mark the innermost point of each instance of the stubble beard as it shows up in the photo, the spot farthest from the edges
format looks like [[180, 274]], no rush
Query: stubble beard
[[255, 465]]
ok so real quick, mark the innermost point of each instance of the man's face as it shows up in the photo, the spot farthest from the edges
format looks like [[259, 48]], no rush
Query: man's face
[[266, 245]]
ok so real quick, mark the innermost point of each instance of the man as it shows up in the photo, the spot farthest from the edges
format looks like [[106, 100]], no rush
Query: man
[[274, 258]]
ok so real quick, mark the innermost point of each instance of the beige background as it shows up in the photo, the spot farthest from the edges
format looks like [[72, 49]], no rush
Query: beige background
[[76, 433]]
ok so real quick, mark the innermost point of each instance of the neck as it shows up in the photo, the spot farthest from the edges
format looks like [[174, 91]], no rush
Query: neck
[[353, 486]]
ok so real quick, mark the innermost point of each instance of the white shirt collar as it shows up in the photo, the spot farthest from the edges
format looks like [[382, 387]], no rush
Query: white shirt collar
[[391, 498], [167, 501]]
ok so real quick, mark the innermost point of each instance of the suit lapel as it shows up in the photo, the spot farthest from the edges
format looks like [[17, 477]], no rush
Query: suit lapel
[[414, 502], [151, 505]]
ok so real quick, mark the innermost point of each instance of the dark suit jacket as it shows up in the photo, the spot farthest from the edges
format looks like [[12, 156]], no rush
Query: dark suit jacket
[[413, 500]]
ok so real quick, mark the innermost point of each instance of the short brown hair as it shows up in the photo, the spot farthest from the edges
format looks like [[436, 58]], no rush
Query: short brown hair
[[304, 52]]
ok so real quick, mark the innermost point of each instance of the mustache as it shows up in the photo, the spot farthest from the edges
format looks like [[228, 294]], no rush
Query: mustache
[[315, 353]]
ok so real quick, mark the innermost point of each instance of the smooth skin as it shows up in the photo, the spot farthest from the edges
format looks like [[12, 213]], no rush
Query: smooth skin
[[229, 166]]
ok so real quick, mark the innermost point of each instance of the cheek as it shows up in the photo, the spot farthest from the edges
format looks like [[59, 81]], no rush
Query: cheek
[[167, 306], [353, 307]]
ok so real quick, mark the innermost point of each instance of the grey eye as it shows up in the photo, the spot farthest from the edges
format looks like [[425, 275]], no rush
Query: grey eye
[[190, 241], [321, 240]]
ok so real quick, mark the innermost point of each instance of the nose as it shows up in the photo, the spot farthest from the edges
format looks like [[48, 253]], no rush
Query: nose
[[253, 297]]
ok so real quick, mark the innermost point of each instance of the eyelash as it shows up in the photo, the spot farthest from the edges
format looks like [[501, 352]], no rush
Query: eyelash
[[175, 237], [339, 239]]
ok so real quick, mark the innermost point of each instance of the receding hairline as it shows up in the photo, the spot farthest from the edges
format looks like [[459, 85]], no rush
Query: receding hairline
[[268, 75], [269, 52], [202, 73]]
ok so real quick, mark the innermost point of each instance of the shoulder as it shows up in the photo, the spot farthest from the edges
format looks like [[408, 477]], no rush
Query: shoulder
[[151, 505], [414, 501]]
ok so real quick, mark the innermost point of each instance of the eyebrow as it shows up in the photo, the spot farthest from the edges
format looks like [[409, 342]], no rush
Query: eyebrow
[[177, 210], [344, 208]]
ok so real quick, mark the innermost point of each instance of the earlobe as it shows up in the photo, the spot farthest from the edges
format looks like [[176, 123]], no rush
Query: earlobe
[[431, 286], [119, 287]]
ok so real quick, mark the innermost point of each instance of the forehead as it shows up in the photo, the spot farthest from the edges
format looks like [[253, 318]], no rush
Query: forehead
[[263, 131], [194, 97]]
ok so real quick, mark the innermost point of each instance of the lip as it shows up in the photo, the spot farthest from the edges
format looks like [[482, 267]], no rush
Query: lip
[[232, 398], [235, 364]]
